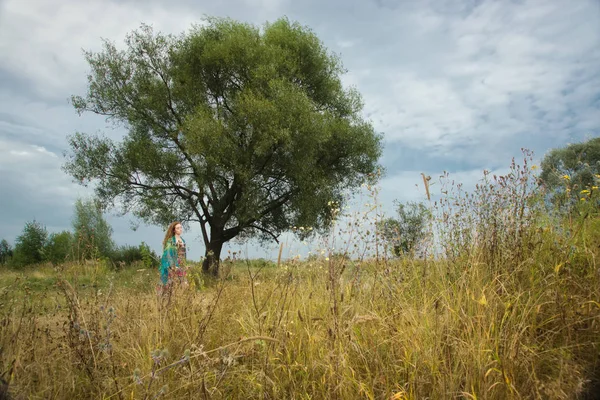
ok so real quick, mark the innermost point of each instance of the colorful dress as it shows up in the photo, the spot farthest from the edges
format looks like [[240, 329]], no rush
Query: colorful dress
[[172, 265]]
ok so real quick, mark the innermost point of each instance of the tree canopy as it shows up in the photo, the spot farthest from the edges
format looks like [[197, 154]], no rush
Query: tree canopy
[[405, 233], [29, 245], [576, 164], [247, 131], [92, 233]]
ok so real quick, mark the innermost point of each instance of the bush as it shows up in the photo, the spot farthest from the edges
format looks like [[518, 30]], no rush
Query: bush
[[405, 234], [127, 255], [93, 234], [59, 247], [6, 252], [149, 257], [29, 245]]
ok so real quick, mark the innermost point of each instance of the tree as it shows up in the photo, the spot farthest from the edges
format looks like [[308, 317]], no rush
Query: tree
[[30, 244], [58, 248], [573, 167], [92, 234], [6, 252], [404, 233], [246, 132]]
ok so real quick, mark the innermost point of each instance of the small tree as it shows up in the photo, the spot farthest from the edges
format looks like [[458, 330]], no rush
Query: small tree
[[93, 235], [6, 252], [30, 244], [59, 247], [149, 257], [406, 232], [566, 171]]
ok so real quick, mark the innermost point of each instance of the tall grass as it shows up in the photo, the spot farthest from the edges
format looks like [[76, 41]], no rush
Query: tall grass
[[508, 309]]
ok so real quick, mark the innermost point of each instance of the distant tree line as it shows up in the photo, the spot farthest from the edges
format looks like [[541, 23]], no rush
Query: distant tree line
[[90, 239]]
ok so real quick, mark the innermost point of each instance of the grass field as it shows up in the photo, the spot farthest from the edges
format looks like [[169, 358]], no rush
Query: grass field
[[412, 329], [510, 309]]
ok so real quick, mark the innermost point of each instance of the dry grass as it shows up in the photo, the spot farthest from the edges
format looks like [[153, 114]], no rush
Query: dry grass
[[510, 312], [405, 330]]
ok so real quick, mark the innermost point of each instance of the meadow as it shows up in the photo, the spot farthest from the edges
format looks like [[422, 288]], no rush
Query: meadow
[[507, 307]]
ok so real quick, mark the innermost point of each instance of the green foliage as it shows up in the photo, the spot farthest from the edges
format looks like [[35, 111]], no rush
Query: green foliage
[[256, 263], [29, 245], [572, 167], [149, 257], [93, 235], [246, 131], [59, 247], [6, 252], [127, 255], [405, 233]]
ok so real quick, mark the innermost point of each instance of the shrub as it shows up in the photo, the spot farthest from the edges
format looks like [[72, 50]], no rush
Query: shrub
[[29, 245], [58, 248]]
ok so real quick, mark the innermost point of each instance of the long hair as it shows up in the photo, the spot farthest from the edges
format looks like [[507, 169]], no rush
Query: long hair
[[170, 233]]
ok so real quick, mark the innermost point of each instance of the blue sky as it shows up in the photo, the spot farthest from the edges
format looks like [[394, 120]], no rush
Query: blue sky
[[454, 85]]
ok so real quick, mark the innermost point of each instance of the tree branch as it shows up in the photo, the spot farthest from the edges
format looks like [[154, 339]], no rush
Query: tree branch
[[265, 231]]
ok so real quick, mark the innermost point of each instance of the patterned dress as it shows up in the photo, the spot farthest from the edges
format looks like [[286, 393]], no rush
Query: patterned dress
[[172, 265]]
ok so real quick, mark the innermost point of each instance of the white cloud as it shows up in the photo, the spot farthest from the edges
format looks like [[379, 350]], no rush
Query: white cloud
[[42, 41], [28, 153], [427, 113], [19, 153], [43, 150], [507, 71], [13, 152]]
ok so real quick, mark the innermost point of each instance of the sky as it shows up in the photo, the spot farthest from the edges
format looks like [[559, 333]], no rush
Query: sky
[[453, 85]]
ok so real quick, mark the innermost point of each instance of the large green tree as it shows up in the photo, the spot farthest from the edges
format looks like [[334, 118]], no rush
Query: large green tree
[[247, 131]]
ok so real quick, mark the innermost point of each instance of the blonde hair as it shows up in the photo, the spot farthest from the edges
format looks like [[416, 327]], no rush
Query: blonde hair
[[170, 232]]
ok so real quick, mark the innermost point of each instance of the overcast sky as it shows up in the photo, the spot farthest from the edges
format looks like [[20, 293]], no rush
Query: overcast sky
[[457, 85]]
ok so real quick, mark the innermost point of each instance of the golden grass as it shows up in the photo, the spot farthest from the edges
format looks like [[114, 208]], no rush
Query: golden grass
[[405, 330], [511, 310]]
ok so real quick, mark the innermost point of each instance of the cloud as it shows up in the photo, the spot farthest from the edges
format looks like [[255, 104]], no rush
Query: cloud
[[57, 32], [507, 72], [32, 188]]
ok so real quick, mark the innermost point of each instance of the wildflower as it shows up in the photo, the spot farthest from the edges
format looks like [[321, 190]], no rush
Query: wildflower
[[566, 177], [582, 199], [534, 167], [594, 187], [136, 376], [584, 191], [482, 300], [156, 356]]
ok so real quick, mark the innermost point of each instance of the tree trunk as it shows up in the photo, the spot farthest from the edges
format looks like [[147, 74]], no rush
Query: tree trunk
[[212, 257]]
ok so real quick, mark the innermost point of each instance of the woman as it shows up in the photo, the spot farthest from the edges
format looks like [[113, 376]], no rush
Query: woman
[[172, 266]]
